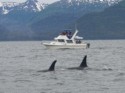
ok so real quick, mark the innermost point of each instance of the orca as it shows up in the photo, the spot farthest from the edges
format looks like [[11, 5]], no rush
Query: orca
[[51, 68], [82, 65]]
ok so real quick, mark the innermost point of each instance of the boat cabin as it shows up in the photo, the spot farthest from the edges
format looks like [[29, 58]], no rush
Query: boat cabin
[[68, 38]]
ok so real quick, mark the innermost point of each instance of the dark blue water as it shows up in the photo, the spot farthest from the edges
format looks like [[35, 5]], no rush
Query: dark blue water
[[20, 61]]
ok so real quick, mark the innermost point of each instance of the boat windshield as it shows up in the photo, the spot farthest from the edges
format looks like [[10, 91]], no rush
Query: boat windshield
[[61, 40], [69, 41]]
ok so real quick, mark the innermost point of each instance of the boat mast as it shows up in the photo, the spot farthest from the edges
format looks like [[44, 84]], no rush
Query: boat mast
[[76, 31]]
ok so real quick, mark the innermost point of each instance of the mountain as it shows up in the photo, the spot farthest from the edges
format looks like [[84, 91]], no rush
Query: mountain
[[58, 15], [15, 16], [5, 7], [32, 20], [29, 6], [109, 24], [3, 32]]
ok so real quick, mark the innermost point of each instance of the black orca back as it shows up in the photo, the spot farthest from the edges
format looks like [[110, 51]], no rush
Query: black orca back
[[52, 67], [84, 63]]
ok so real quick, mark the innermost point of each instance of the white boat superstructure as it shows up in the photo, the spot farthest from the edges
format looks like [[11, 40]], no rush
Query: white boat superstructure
[[67, 40]]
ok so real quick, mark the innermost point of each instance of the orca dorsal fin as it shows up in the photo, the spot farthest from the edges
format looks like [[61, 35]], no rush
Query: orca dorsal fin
[[84, 63], [52, 67]]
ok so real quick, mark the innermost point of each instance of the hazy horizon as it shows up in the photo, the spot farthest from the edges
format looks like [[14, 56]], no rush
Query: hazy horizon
[[42, 1]]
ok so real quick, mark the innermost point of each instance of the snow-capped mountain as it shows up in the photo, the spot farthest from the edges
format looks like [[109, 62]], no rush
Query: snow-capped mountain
[[35, 6], [79, 2], [23, 22], [5, 7], [57, 15], [90, 1], [29, 5]]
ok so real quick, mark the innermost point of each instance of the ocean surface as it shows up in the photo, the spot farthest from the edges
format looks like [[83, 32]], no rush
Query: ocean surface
[[20, 61]]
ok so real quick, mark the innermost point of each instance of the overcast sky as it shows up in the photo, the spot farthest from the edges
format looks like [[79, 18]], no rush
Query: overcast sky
[[43, 1]]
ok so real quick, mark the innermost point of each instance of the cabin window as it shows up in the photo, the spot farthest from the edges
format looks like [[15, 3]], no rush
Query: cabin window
[[69, 41], [60, 40]]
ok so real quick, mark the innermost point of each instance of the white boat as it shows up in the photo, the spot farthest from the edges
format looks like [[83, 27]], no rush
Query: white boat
[[67, 40]]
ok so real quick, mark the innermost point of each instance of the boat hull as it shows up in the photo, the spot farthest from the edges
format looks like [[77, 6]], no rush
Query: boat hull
[[71, 46]]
